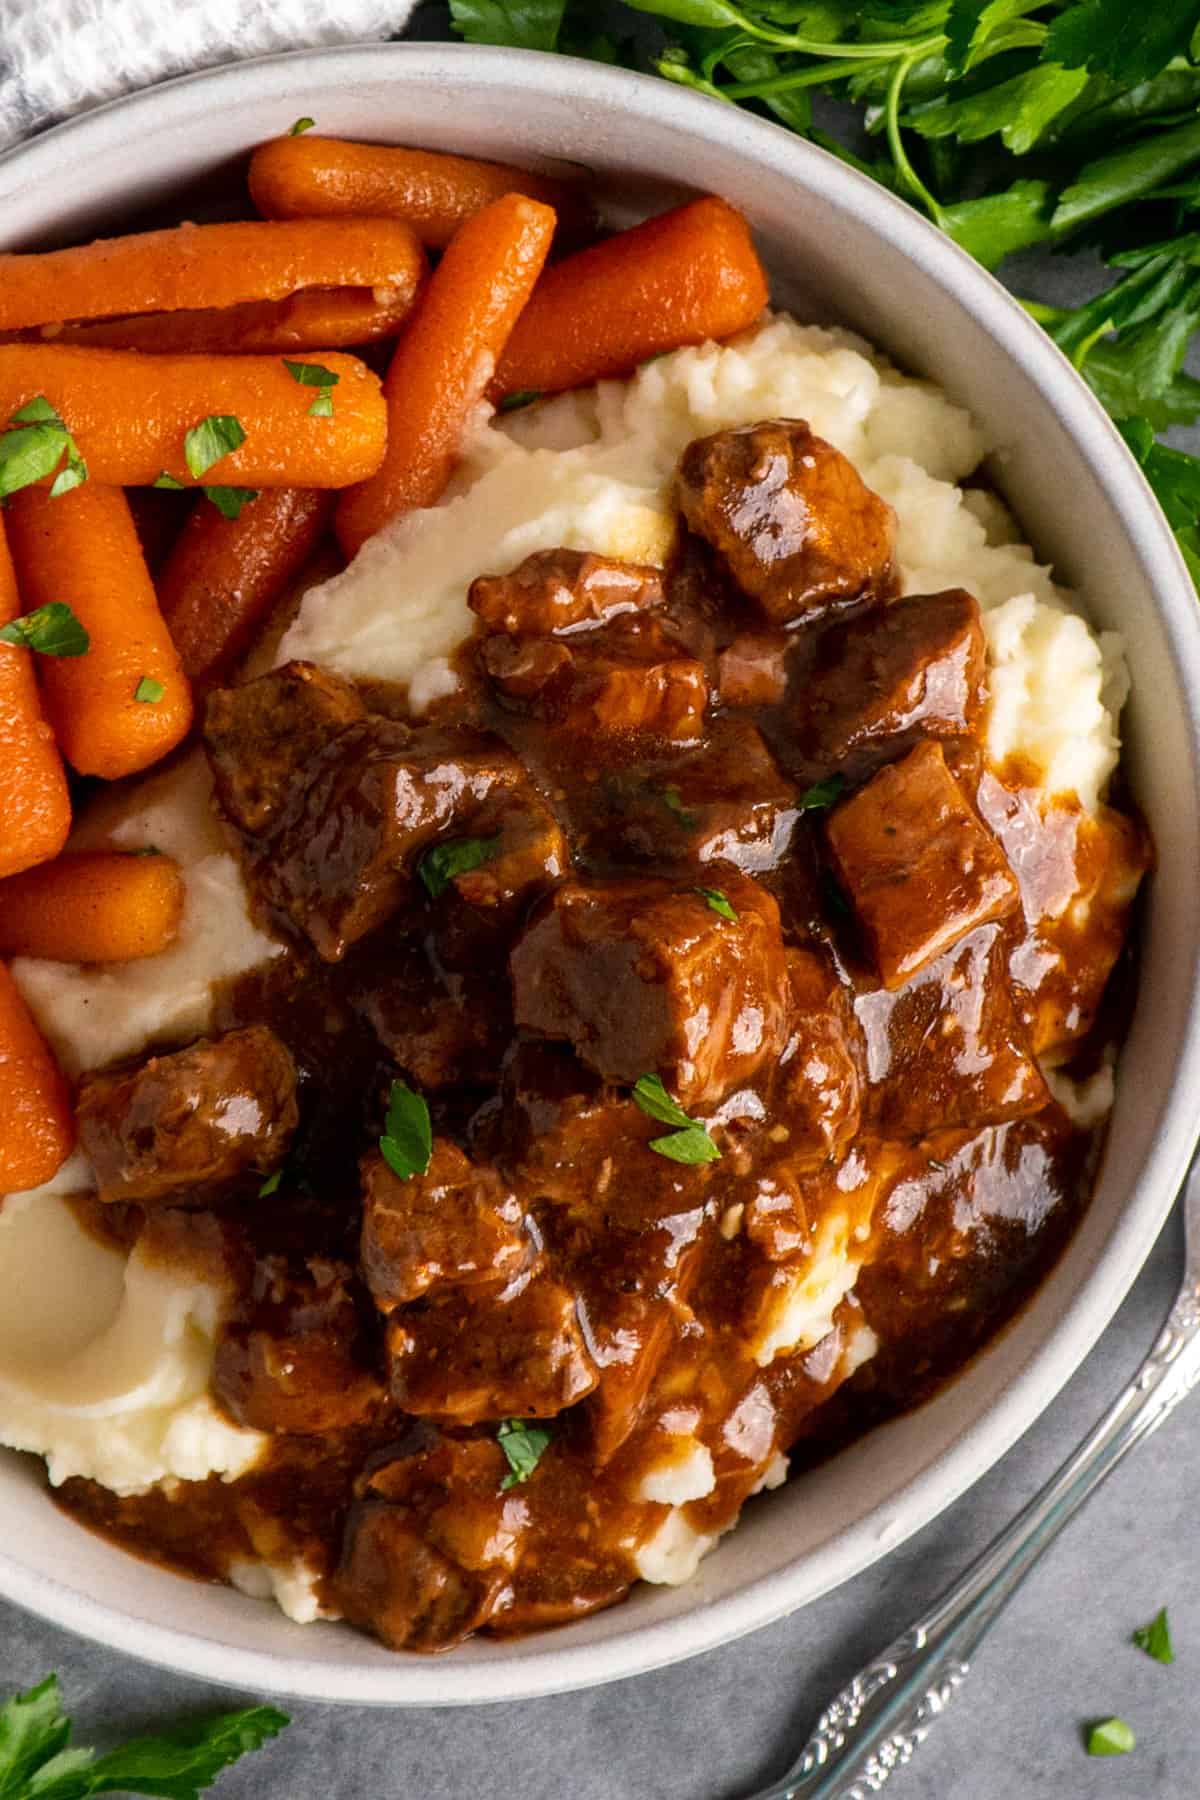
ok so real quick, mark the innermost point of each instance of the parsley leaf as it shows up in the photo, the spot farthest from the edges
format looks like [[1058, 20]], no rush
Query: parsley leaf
[[1110, 1737], [822, 794], [210, 440], [318, 376], [522, 397], [34, 448], [301, 126], [270, 1185], [523, 1445], [168, 481], [51, 630], [229, 501], [439, 866], [718, 902], [407, 1142], [673, 801], [689, 1142], [1117, 38], [1155, 1638], [520, 24], [149, 691], [36, 1762]]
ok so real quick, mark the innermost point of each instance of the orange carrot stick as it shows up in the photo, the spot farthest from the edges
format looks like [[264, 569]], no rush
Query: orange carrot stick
[[192, 266], [224, 575], [83, 549], [318, 177], [314, 319], [37, 1125], [688, 275], [445, 358], [35, 808], [92, 906], [130, 413]]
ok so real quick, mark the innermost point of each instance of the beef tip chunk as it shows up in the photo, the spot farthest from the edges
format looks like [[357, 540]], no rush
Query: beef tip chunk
[[627, 678], [725, 803], [441, 1037], [394, 1583], [818, 1098], [265, 739], [921, 869], [454, 1226], [298, 1363], [178, 1126], [556, 590], [454, 1487], [523, 853], [646, 977], [790, 518], [917, 666], [516, 1352], [948, 1049], [753, 669]]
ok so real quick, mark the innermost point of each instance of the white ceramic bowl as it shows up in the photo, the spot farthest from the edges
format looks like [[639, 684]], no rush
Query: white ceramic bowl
[[840, 248]]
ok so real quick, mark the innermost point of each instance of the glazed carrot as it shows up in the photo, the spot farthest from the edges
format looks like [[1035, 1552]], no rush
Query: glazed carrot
[[318, 177], [92, 906], [37, 1125], [82, 549], [688, 275], [130, 413], [315, 319], [445, 358], [35, 808], [224, 575], [193, 266]]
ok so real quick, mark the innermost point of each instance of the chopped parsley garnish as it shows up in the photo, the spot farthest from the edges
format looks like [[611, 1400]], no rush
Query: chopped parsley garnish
[[229, 501], [168, 481], [301, 126], [51, 630], [318, 376], [271, 1184], [522, 397], [36, 1756], [689, 1142], [34, 447], [1155, 1638], [821, 794], [145, 850], [210, 440], [523, 1445], [1110, 1737], [407, 1142], [717, 902], [673, 801], [149, 691], [439, 866]]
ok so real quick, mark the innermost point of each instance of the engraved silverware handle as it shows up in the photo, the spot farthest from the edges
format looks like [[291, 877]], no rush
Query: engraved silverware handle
[[875, 1723]]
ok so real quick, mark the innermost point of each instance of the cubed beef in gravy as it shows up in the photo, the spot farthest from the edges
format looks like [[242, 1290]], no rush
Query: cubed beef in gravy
[[392, 1581], [454, 1226], [820, 1098], [267, 736], [299, 1362], [488, 1353], [917, 665], [789, 516], [559, 590], [919, 866], [205, 1116], [440, 1036], [627, 678], [947, 1048], [753, 669], [644, 977]]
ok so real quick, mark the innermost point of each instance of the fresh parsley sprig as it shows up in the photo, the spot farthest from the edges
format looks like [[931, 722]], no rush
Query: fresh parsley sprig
[[34, 446], [523, 1445], [689, 1141], [51, 630], [407, 1142]]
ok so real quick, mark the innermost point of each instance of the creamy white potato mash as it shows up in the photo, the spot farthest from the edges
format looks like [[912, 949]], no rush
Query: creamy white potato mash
[[104, 1362]]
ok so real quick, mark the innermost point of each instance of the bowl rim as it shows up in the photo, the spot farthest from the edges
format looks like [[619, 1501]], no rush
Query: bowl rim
[[557, 1665]]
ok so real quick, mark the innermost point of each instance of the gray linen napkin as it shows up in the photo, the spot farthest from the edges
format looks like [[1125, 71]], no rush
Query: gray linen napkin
[[61, 56]]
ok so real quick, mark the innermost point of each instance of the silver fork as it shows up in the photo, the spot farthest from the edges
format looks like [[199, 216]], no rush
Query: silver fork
[[874, 1725]]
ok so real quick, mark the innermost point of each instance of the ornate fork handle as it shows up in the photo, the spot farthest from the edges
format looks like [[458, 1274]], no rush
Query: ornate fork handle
[[877, 1721]]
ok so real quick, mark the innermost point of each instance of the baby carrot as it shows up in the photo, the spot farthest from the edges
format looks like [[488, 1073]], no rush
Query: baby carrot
[[318, 177], [685, 276], [130, 414], [205, 265], [224, 575], [314, 319], [92, 906], [35, 808], [37, 1125], [125, 702], [445, 359]]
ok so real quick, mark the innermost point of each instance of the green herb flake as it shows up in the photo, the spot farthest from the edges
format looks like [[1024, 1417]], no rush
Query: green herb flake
[[34, 448], [211, 440], [51, 630], [229, 501], [168, 481], [717, 902], [145, 850], [149, 691], [689, 1142], [439, 866], [673, 801], [301, 126], [1110, 1737], [822, 794], [522, 397], [1155, 1638], [407, 1142], [271, 1184], [523, 1445], [318, 376]]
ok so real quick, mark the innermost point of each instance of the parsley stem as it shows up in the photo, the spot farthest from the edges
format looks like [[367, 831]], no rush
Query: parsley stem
[[908, 175], [884, 51], [784, 84]]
